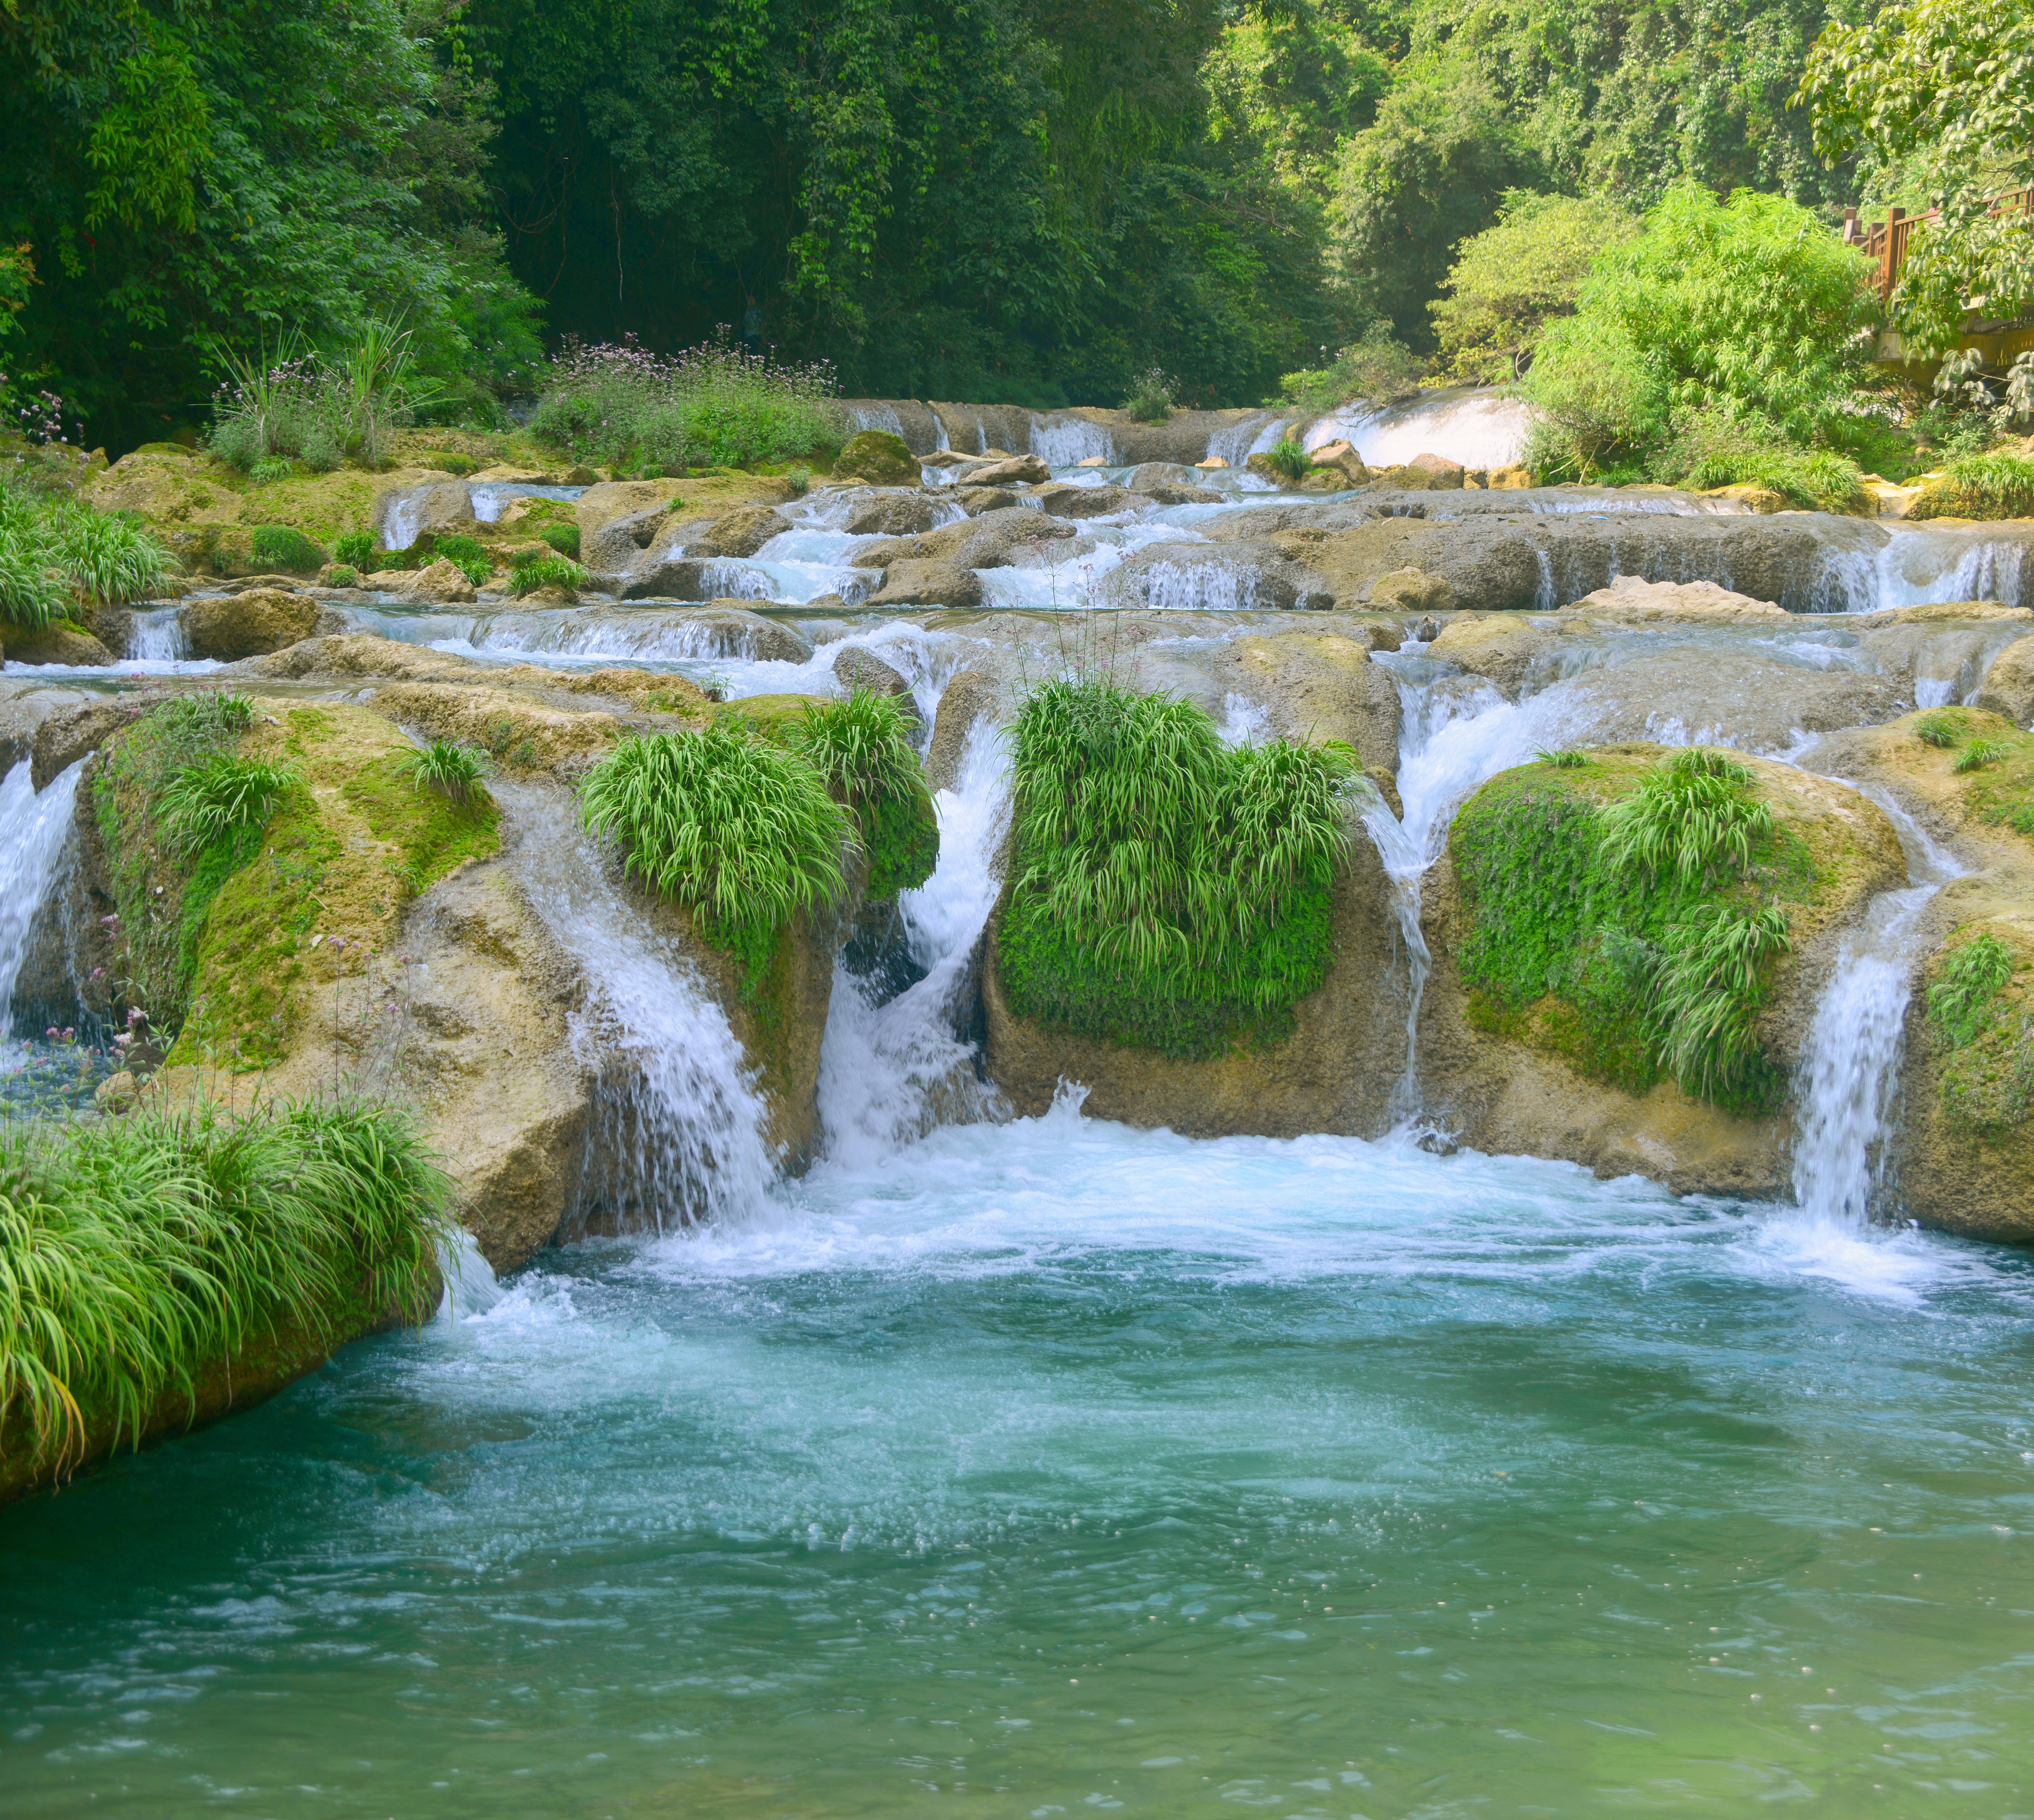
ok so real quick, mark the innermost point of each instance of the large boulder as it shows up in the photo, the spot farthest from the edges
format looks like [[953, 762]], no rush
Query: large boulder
[[739, 533], [1063, 500], [856, 668], [1003, 470], [442, 581], [1334, 1073], [1631, 598], [1317, 686], [934, 582], [969, 698], [876, 458], [254, 622], [1506, 649], [891, 514]]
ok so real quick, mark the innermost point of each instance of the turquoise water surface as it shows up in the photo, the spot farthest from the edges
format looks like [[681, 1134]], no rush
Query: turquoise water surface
[[1052, 1467]]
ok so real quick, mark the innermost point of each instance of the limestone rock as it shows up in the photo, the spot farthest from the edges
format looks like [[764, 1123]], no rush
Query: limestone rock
[[970, 698], [928, 581], [444, 509], [1631, 598], [117, 1092], [1064, 500], [1512, 476], [1412, 591], [253, 623], [60, 740], [878, 458], [440, 581], [1441, 471], [1504, 648], [1747, 498], [856, 668], [891, 514], [1341, 455], [974, 501], [39, 644], [740, 533], [2008, 684], [1010, 470], [599, 506], [1320, 687]]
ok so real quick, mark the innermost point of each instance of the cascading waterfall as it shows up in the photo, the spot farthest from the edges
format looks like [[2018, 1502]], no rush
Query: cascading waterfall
[[33, 828], [157, 636], [680, 1125], [1852, 1054], [889, 1072]]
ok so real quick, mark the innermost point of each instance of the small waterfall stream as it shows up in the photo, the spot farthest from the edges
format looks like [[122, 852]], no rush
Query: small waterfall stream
[[33, 828], [1851, 1057], [679, 1122]]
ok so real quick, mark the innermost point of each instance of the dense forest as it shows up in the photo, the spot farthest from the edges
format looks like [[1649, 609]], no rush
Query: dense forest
[[1021, 200]]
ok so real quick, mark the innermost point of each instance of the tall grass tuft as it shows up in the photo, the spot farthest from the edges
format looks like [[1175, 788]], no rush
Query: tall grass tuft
[[1289, 459], [67, 551], [220, 796], [713, 405], [137, 1256], [1693, 820], [1165, 861], [862, 746], [282, 546], [1997, 486], [558, 571], [1706, 995], [741, 832], [454, 771]]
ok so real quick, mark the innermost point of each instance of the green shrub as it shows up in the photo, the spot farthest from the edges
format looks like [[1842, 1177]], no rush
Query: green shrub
[[1288, 459], [355, 548], [1153, 396], [1169, 892], [320, 408], [158, 929], [712, 406], [1980, 487], [797, 477], [741, 832], [457, 546], [1508, 282], [1706, 995], [1565, 759], [1977, 755], [1712, 449], [1692, 820], [1940, 727], [1377, 369], [281, 546], [31, 594], [138, 1256], [452, 770], [220, 796], [1987, 1071], [269, 469], [339, 575], [537, 571], [1752, 308], [562, 536], [862, 746]]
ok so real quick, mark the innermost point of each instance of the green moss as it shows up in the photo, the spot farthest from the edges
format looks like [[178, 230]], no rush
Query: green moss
[[1051, 976], [2001, 791], [247, 945], [432, 833], [902, 834], [1571, 951], [1980, 1017]]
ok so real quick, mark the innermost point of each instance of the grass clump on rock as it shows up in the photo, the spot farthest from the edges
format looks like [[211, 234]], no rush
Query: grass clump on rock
[[741, 832], [282, 547], [1169, 892], [1979, 1015], [454, 771], [862, 746], [539, 571], [1626, 916], [1995, 485], [148, 1262], [54, 558]]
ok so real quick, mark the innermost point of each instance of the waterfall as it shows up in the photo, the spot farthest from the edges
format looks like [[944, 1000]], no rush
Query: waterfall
[[157, 637], [679, 1122], [890, 1071], [1068, 441], [33, 829], [1478, 429], [1236, 443], [1851, 1057], [1454, 734]]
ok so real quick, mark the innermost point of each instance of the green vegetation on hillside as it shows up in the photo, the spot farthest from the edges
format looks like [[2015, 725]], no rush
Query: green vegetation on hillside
[[57, 556], [1625, 914], [1169, 892], [143, 1260]]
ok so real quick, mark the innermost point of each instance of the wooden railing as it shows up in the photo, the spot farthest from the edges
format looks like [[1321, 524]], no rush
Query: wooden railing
[[1885, 242]]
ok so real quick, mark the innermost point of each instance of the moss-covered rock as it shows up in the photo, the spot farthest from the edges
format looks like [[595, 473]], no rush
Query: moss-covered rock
[[878, 458], [1556, 1021], [252, 623], [64, 643]]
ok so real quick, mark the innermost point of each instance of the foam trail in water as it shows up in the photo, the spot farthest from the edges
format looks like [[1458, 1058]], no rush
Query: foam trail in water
[[889, 1072], [471, 1287], [33, 829], [679, 1129], [1851, 1053]]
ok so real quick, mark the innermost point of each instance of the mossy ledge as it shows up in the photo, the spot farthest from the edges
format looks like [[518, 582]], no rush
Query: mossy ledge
[[1625, 971]]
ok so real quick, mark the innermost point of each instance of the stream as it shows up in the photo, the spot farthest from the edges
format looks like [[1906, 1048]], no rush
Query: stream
[[1040, 1466]]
